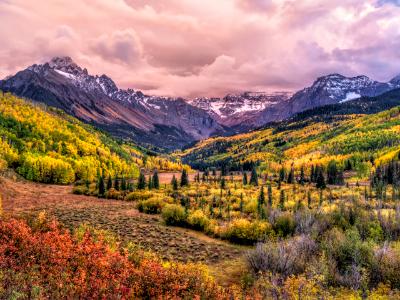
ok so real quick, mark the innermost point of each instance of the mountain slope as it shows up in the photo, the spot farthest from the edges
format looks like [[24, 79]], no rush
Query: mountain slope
[[165, 122], [330, 89], [234, 109], [314, 136], [44, 144]]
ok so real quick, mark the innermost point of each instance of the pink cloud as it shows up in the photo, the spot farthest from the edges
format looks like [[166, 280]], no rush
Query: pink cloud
[[195, 48]]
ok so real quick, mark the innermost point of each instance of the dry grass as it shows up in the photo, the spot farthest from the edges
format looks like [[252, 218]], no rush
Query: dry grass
[[20, 196]]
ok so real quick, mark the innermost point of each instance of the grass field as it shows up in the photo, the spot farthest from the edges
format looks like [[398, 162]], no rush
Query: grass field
[[121, 218]]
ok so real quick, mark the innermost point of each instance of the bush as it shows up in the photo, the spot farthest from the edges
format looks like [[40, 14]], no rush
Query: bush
[[80, 190], [151, 206], [284, 225], [114, 194], [198, 220], [287, 258], [138, 196], [174, 215], [243, 231]]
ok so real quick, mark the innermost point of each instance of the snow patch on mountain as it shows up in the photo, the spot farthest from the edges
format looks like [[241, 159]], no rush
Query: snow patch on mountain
[[350, 96]]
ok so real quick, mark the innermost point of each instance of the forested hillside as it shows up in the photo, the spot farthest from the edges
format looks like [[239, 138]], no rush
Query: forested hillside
[[356, 140], [46, 145]]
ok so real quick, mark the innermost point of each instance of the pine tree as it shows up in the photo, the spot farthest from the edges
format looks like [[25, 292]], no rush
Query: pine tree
[[241, 204], [282, 174], [123, 184], [116, 183], [245, 178], [156, 180], [174, 183], [222, 183], [282, 200], [320, 182], [321, 198], [150, 183], [109, 183], [260, 203], [102, 188], [269, 190], [254, 177], [290, 178], [184, 178], [302, 176], [141, 185]]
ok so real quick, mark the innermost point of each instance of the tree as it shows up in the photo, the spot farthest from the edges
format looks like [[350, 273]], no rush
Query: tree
[[174, 183], [141, 185], [302, 176], [245, 178], [102, 188], [123, 184], [156, 180], [320, 182], [116, 183], [269, 190], [282, 174], [282, 200], [109, 182], [290, 178], [223, 184], [260, 203], [150, 183], [254, 177], [334, 175], [184, 178]]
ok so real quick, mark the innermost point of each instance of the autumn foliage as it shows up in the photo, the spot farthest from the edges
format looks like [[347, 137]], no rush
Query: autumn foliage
[[40, 260]]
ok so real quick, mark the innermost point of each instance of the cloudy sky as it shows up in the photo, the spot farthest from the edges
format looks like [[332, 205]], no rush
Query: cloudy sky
[[205, 47]]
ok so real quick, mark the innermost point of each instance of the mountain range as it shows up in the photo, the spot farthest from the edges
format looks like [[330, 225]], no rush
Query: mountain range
[[170, 123]]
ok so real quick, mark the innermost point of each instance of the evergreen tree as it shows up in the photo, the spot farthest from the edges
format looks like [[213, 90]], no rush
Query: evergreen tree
[[245, 178], [282, 174], [123, 184], [309, 200], [312, 174], [156, 180], [102, 188], [109, 183], [302, 176], [269, 190], [254, 177], [141, 185], [150, 183], [282, 200], [184, 178], [222, 183], [174, 183], [290, 178], [116, 183], [260, 203], [320, 182]]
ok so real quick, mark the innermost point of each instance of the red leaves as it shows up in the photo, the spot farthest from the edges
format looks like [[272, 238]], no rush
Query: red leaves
[[49, 262]]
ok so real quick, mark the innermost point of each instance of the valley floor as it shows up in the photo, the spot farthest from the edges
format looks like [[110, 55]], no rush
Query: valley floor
[[125, 221]]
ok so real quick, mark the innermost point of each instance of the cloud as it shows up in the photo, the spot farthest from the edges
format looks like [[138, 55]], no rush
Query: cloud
[[196, 48]]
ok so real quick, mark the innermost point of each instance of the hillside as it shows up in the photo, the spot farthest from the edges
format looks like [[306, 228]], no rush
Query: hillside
[[310, 138], [44, 144]]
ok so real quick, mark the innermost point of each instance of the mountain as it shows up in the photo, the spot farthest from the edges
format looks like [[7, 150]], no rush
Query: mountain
[[234, 109], [330, 89], [364, 128], [168, 123]]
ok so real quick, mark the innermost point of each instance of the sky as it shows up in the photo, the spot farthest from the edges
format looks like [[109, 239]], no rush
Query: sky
[[193, 48]]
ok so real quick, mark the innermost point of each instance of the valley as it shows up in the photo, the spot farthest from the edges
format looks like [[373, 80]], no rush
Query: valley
[[308, 205]]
